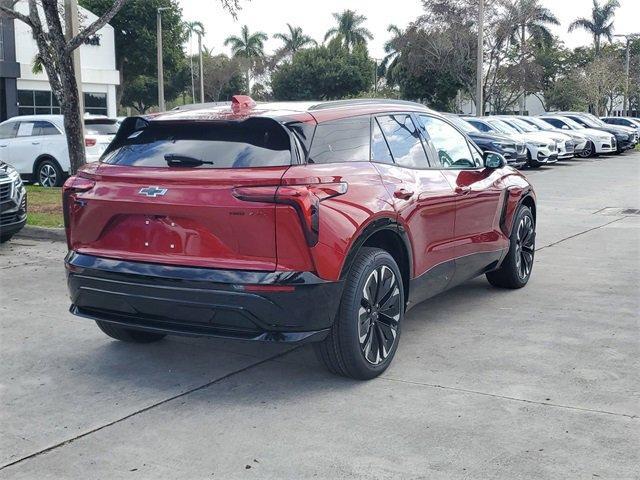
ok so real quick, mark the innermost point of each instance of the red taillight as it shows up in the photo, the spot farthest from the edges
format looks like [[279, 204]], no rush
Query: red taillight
[[305, 199], [70, 205], [90, 142]]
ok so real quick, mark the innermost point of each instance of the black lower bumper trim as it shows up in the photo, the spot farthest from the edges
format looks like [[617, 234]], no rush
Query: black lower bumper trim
[[264, 306]]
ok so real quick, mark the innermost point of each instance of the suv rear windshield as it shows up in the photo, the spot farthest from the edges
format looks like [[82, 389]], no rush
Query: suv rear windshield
[[104, 127], [252, 143]]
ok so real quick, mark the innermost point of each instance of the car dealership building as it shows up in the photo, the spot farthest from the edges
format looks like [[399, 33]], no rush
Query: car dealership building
[[23, 92]]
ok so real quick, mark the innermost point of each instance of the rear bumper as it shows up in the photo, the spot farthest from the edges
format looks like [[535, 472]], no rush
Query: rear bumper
[[265, 306]]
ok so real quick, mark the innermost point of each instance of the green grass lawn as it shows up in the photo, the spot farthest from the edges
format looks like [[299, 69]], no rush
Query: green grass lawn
[[44, 206]]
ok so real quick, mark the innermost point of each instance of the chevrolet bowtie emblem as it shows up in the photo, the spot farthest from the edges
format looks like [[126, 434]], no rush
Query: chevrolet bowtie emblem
[[152, 191]]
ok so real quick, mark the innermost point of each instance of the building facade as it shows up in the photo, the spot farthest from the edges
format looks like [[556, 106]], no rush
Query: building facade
[[25, 92]]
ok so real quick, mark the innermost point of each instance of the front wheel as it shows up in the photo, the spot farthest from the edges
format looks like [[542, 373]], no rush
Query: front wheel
[[49, 174], [515, 270], [128, 334], [588, 151], [365, 334]]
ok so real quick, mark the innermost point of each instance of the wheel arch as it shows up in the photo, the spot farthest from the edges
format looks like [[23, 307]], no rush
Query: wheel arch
[[384, 233], [41, 158]]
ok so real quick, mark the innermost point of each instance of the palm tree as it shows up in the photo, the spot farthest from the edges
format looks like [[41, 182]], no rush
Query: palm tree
[[249, 46], [600, 24], [349, 29], [193, 28], [293, 41], [392, 50], [528, 22]]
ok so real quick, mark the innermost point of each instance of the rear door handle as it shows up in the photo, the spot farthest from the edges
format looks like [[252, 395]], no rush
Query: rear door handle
[[35, 143], [463, 190], [403, 194]]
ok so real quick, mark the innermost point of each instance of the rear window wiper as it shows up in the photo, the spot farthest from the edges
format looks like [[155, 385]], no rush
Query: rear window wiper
[[175, 160]]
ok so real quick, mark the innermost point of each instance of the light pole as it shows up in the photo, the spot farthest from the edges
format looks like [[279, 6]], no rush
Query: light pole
[[160, 68], [480, 62], [201, 67], [625, 102]]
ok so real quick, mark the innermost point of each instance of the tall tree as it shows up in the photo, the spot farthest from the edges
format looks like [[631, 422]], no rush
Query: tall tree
[[324, 72], [392, 52], [249, 46], [293, 40], [349, 30], [55, 53], [600, 24], [135, 38], [530, 23], [191, 29]]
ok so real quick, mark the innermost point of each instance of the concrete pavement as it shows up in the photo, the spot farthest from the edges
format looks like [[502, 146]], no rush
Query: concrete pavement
[[541, 382]]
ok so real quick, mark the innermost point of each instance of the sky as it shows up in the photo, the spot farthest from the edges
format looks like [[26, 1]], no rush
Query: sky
[[315, 18]]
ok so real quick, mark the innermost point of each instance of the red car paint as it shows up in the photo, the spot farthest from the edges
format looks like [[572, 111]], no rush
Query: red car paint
[[207, 219]]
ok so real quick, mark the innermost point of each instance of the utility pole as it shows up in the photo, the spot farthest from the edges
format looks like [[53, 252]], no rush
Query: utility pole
[[201, 67], [161, 105], [626, 107], [72, 27], [480, 63]]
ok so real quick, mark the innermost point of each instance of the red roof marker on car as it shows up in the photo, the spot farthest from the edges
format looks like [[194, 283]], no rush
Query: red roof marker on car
[[242, 102]]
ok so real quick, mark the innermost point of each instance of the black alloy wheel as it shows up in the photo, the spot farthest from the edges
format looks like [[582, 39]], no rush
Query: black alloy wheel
[[365, 334], [379, 315], [515, 269]]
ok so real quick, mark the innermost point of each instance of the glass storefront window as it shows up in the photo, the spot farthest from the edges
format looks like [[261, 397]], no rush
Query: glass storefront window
[[43, 102]]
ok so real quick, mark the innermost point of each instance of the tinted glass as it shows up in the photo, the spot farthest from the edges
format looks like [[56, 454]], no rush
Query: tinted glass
[[451, 146], [479, 125], [45, 128], [101, 128], [404, 141], [582, 121], [379, 149], [8, 130], [252, 143], [555, 122], [345, 140], [462, 125]]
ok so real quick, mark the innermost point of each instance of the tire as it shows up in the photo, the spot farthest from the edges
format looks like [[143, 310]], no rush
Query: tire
[[363, 341], [515, 270], [5, 238], [588, 151], [49, 174], [128, 334]]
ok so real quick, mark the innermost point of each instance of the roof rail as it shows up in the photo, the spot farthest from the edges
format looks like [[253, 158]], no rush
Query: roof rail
[[363, 101]]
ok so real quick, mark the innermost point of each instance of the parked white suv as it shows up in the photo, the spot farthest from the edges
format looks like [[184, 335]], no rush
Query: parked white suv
[[36, 145]]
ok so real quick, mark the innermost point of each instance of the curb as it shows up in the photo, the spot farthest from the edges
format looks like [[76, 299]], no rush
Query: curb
[[42, 233]]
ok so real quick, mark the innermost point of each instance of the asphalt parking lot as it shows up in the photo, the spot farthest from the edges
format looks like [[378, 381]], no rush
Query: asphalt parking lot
[[540, 383]]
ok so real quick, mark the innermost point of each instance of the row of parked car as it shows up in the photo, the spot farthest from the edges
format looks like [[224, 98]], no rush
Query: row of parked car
[[535, 141]]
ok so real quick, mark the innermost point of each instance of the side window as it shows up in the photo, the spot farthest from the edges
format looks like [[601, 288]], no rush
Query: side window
[[451, 146], [8, 130], [25, 129], [404, 141], [556, 123], [479, 125], [345, 140], [45, 128], [379, 149]]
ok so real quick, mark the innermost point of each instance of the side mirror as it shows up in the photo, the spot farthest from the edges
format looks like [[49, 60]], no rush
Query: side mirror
[[494, 160]]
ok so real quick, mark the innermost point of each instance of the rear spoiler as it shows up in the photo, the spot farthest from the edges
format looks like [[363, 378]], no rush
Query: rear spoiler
[[128, 126]]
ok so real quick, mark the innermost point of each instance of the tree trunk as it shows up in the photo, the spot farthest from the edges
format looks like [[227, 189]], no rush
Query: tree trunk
[[73, 118]]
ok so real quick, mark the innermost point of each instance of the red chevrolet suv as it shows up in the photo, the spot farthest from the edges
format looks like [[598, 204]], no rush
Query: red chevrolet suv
[[290, 222]]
